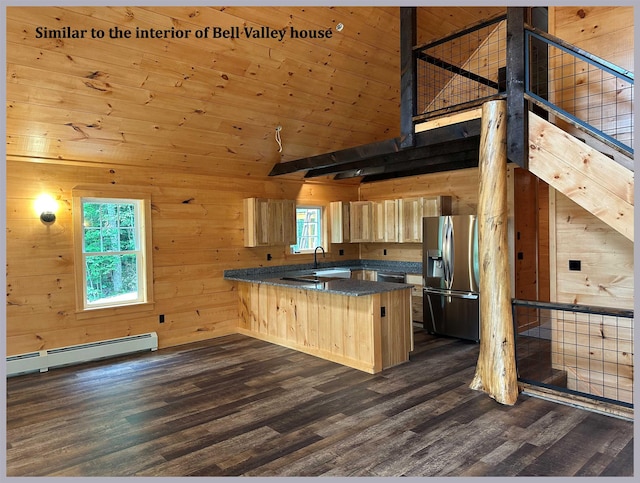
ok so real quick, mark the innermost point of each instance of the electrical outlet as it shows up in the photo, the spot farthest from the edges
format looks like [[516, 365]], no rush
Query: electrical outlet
[[268, 256], [341, 252], [161, 318], [384, 251], [575, 265]]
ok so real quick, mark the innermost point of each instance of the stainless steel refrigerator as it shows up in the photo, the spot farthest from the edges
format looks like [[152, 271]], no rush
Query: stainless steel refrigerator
[[451, 276]]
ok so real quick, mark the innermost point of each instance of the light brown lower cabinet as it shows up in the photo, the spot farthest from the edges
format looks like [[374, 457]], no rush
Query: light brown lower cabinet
[[416, 297], [368, 332]]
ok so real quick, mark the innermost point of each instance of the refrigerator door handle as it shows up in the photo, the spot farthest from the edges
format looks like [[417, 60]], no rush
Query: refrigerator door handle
[[451, 252], [446, 252]]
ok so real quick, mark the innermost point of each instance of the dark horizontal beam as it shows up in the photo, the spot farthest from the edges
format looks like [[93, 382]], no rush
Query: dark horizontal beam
[[470, 162], [418, 155], [438, 162], [338, 159]]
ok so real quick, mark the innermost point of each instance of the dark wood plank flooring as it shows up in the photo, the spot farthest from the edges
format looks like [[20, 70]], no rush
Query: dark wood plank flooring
[[238, 406]]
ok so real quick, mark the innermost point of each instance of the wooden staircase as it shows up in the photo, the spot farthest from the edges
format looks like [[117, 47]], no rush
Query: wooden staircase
[[588, 177]]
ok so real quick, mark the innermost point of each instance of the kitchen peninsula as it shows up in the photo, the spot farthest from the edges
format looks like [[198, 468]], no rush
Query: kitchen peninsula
[[358, 323]]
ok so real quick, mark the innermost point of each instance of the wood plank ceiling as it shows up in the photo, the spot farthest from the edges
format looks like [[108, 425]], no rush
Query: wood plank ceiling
[[209, 105]]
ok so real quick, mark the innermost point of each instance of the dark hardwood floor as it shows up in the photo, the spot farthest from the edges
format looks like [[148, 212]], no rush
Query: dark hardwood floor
[[239, 406]]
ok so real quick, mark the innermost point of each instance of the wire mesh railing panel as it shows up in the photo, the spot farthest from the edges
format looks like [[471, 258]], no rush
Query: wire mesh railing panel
[[578, 349], [591, 94], [462, 69]]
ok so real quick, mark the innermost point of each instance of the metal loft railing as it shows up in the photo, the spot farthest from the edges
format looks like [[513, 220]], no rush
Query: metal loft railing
[[582, 88], [462, 70], [576, 349], [469, 68]]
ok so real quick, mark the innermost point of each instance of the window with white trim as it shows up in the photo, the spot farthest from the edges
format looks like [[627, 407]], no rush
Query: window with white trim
[[309, 229], [112, 237]]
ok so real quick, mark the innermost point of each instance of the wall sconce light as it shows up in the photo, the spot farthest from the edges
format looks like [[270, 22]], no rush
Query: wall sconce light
[[46, 207]]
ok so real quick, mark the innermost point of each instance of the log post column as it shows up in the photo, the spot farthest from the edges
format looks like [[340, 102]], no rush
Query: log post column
[[496, 369]]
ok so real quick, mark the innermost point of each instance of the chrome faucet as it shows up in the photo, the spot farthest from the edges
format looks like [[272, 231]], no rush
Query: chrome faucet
[[315, 256]]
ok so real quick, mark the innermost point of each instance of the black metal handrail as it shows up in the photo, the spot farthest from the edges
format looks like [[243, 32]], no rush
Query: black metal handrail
[[593, 93], [581, 308], [608, 99]]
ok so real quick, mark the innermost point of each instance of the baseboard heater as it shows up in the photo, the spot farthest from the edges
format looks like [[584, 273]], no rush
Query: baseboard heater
[[75, 354]]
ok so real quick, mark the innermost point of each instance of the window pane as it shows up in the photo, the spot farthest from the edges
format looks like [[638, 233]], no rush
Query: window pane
[[111, 278], [110, 240], [127, 239], [309, 230], [126, 215], [91, 215], [92, 240], [109, 227]]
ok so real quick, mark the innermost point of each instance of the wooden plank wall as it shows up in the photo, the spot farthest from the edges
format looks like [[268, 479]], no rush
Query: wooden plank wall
[[607, 257], [170, 102], [197, 225], [606, 277], [607, 32]]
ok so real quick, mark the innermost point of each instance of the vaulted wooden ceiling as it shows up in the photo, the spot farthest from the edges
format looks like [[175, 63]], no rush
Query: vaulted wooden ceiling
[[208, 105]]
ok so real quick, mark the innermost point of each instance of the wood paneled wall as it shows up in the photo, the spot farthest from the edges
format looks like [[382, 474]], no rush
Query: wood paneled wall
[[606, 277], [197, 225], [606, 31]]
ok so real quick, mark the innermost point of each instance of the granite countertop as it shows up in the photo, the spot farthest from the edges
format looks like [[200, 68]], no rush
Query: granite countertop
[[281, 276]]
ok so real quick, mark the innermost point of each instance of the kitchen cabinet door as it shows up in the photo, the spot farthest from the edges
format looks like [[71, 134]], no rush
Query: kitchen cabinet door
[[269, 222], [339, 215], [256, 228], [416, 297], [411, 211], [360, 221], [410, 220], [436, 206], [385, 221], [288, 222]]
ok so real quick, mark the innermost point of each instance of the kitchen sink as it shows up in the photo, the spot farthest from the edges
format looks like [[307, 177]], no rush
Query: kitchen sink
[[333, 272]]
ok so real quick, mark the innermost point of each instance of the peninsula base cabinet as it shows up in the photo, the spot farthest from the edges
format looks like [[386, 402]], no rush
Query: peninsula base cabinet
[[367, 332]]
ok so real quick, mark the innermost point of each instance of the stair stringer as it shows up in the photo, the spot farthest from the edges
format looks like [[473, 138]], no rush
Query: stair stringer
[[589, 178]]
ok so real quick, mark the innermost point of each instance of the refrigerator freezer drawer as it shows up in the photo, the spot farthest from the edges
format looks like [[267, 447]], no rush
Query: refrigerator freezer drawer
[[452, 314]]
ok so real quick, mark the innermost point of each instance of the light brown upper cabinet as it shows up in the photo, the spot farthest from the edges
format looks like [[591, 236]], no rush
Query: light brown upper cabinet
[[360, 221], [390, 221], [269, 222], [339, 216], [385, 220], [411, 211]]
